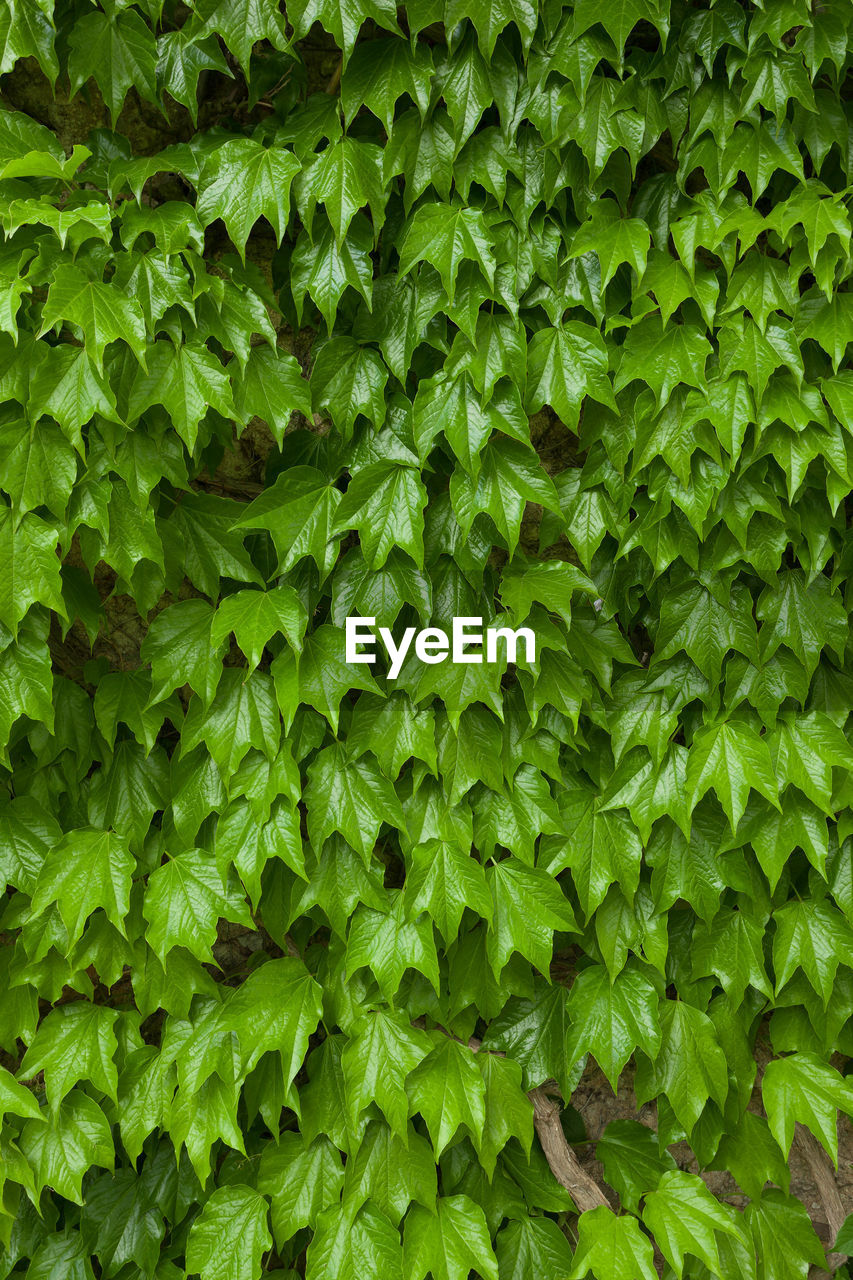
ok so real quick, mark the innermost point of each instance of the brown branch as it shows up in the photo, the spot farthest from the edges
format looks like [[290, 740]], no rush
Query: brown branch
[[827, 1188], [563, 1162]]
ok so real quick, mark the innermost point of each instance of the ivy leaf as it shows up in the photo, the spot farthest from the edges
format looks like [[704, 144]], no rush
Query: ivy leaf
[[802, 1087], [632, 1159], [298, 510], [448, 1243], [74, 1042], [380, 72], [179, 646], [662, 357], [528, 906], [685, 1218], [241, 23], [448, 1090], [230, 1235], [28, 549], [376, 1062], [395, 1170], [566, 363], [351, 796], [300, 1180], [611, 1246], [354, 1243], [63, 1145], [388, 944], [186, 380], [256, 616], [690, 1066], [85, 871], [184, 900], [784, 1235], [242, 181], [446, 236], [118, 51], [507, 480], [611, 1019], [272, 388], [731, 758], [102, 314], [442, 881]]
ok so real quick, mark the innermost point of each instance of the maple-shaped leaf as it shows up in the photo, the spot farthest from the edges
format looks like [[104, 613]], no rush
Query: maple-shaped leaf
[[241, 23], [182, 59], [75, 1042], [508, 479], [342, 20], [690, 1066], [272, 388], [117, 51], [449, 1242], [325, 269], [61, 1147], [186, 380], [528, 906], [376, 1062], [351, 796], [731, 758], [614, 239], [86, 870], [803, 1088], [230, 1235], [388, 943], [345, 177], [242, 181], [446, 236], [179, 647], [348, 380], [319, 676], [301, 1179], [102, 313], [394, 1170], [443, 880], [611, 1246], [810, 935], [448, 1090], [385, 503], [663, 356], [611, 1019], [528, 1247], [685, 1218], [354, 1243], [380, 72], [256, 616], [184, 899], [566, 363], [298, 510], [697, 621]]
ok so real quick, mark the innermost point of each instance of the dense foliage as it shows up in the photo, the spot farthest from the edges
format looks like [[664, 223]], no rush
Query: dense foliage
[[533, 312]]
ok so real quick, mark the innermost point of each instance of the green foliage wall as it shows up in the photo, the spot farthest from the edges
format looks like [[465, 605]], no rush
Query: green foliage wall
[[537, 312]]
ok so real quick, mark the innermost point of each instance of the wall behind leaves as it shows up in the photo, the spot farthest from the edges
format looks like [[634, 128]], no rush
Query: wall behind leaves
[[537, 313]]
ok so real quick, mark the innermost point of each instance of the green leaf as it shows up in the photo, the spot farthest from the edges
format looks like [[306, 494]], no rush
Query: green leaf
[[449, 1242], [230, 1235], [376, 1062], [448, 1090], [256, 616], [184, 899], [685, 1218], [85, 871], [803, 1088], [101, 313], [611, 1020], [63, 1145], [118, 51], [75, 1042], [612, 1247], [565, 364], [242, 181], [446, 236]]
